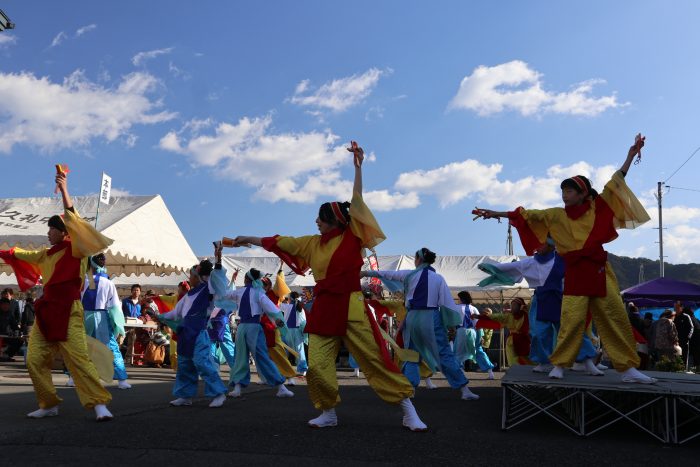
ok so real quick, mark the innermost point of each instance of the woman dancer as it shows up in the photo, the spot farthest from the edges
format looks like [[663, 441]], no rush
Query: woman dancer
[[251, 302], [579, 230], [194, 347], [427, 298], [339, 314]]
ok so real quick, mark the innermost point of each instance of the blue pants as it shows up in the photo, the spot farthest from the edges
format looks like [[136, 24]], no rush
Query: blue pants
[[543, 336], [427, 335], [352, 362], [294, 338], [97, 325], [250, 339], [189, 369], [228, 350]]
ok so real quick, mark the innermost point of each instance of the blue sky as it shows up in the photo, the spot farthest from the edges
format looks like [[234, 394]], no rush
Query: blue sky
[[237, 112]]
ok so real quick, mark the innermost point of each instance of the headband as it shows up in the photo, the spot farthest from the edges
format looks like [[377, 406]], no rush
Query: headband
[[338, 213], [420, 254]]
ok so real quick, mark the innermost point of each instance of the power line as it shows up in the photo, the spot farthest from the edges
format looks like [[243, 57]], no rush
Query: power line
[[679, 168], [679, 188]]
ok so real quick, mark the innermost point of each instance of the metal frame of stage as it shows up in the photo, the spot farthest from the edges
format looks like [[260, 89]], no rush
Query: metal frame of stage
[[669, 410]]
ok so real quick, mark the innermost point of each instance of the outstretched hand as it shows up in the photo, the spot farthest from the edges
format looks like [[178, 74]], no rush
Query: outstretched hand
[[358, 153], [636, 148], [485, 214]]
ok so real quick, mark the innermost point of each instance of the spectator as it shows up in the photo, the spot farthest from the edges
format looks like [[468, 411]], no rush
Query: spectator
[[666, 335], [27, 320], [131, 306], [14, 304], [695, 340], [650, 334], [8, 326], [684, 327]]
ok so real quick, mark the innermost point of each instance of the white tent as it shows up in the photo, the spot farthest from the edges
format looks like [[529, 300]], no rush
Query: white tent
[[460, 272], [147, 240]]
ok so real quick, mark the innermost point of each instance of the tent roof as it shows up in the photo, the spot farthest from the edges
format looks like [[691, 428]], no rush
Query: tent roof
[[460, 272], [147, 240], [661, 292]]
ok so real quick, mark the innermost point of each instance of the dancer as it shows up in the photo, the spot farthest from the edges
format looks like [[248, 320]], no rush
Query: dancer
[[580, 230], [467, 343], [104, 319], [545, 272], [428, 300], [338, 314], [515, 319], [276, 347], [189, 318], [251, 302], [220, 335], [59, 312], [295, 318]]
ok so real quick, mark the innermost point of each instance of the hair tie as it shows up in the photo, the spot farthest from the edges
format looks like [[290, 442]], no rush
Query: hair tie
[[338, 213]]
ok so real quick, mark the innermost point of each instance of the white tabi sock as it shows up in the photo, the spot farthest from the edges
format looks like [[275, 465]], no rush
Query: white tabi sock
[[410, 417], [326, 419], [282, 391], [468, 395]]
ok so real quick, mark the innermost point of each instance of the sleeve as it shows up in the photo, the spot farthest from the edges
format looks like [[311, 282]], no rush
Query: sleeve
[[269, 308], [452, 314], [390, 275], [506, 319], [532, 226], [514, 272], [176, 313], [24, 264], [125, 309], [116, 317], [280, 287], [363, 224], [294, 251], [627, 209], [224, 292], [85, 240]]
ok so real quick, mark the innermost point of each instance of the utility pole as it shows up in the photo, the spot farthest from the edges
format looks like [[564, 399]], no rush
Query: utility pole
[[509, 242], [661, 229]]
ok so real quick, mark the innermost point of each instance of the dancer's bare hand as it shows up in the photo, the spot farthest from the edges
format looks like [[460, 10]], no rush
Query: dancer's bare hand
[[358, 153]]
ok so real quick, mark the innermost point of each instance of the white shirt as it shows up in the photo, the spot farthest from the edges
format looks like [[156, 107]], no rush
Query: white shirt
[[106, 296]]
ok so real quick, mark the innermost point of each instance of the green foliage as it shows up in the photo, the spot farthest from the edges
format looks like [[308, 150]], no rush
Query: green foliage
[[670, 364], [627, 270]]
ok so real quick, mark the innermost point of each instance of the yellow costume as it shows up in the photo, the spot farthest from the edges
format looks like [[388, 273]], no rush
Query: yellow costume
[[85, 241], [517, 327], [333, 259], [590, 284]]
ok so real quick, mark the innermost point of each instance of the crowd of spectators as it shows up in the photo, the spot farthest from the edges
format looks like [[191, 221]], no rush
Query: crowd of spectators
[[675, 335]]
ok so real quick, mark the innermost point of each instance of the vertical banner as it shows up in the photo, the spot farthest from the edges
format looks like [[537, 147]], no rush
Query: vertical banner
[[375, 284], [106, 188]]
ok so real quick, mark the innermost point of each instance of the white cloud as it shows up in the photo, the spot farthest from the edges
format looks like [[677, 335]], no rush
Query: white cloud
[[254, 252], [142, 57], [337, 95], [177, 72], [515, 86], [85, 29], [60, 37], [7, 40], [120, 192], [295, 167], [50, 116]]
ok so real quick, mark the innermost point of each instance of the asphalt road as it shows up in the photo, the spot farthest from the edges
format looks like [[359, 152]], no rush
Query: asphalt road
[[260, 429]]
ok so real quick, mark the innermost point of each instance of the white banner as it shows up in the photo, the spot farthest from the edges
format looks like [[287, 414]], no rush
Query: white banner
[[105, 188]]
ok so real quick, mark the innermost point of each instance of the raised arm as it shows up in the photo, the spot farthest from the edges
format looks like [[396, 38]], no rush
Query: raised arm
[[62, 184], [359, 157]]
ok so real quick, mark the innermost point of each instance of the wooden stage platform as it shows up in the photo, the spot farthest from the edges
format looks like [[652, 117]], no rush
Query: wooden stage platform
[[668, 410]]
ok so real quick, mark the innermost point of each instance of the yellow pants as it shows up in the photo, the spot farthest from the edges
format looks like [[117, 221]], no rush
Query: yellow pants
[[279, 356], [40, 355], [321, 377], [173, 355], [610, 319], [511, 355]]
